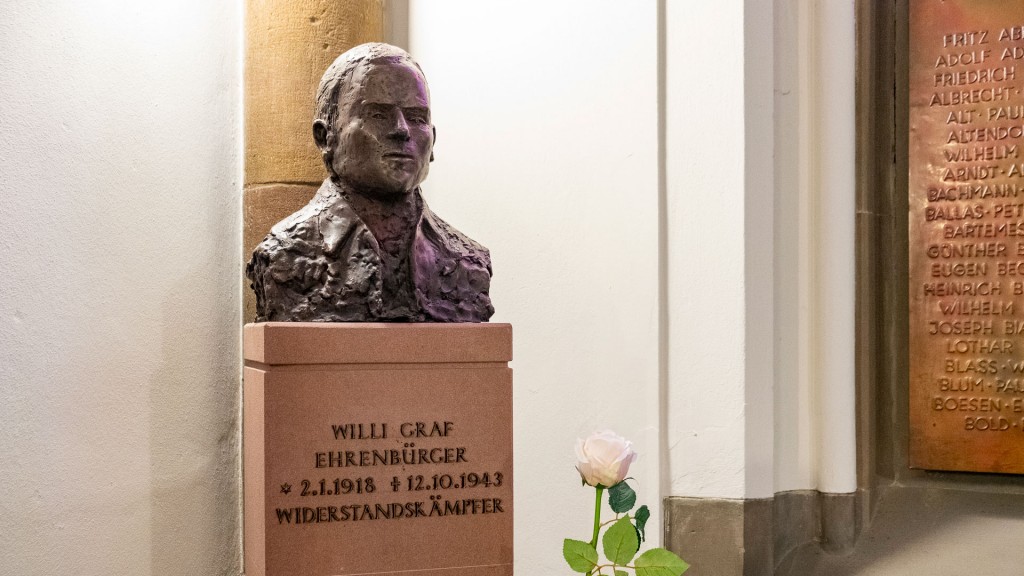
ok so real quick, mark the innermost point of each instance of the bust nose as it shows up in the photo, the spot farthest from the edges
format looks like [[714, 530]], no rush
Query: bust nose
[[400, 129]]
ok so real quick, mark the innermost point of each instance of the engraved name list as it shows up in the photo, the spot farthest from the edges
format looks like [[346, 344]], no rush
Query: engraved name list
[[966, 233]]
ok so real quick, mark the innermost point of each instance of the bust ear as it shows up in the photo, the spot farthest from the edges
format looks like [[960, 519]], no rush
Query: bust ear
[[324, 141], [434, 129], [320, 134]]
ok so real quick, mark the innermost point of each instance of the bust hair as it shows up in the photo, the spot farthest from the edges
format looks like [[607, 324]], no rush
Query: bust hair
[[339, 73]]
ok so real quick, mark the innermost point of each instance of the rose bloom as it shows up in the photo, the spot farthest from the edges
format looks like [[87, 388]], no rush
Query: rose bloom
[[604, 458]]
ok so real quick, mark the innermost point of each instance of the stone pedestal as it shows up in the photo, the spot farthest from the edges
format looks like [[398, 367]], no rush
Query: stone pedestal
[[380, 449]]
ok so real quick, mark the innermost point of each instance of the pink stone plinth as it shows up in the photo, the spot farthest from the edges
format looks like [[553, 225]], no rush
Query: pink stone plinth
[[377, 449]]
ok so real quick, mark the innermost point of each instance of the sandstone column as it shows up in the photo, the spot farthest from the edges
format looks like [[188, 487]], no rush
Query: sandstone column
[[289, 43]]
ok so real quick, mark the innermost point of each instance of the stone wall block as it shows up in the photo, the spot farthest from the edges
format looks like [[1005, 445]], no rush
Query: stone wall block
[[289, 44]]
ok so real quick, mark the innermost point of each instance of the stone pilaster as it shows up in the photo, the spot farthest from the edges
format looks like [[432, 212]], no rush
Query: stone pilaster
[[289, 44]]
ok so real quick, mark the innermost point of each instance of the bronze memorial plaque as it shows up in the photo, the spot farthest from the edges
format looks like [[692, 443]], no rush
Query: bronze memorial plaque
[[966, 227]]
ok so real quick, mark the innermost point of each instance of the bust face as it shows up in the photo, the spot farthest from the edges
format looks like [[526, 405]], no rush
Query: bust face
[[383, 138]]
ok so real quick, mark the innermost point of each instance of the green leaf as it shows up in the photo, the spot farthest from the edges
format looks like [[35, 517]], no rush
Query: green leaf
[[659, 562], [620, 542], [641, 516], [621, 497], [581, 556], [621, 573]]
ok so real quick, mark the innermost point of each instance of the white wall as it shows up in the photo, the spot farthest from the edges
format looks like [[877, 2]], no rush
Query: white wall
[[758, 249], [119, 288], [547, 154], [720, 202]]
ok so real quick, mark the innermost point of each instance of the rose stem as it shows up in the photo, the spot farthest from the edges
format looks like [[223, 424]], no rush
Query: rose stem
[[597, 516]]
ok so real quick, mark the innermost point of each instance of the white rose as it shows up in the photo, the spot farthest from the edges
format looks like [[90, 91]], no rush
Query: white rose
[[604, 458]]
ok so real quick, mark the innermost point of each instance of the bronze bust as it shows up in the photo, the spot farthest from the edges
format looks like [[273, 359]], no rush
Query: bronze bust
[[367, 248]]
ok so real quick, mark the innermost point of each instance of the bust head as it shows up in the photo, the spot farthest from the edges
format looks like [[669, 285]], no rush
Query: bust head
[[372, 122], [367, 248]]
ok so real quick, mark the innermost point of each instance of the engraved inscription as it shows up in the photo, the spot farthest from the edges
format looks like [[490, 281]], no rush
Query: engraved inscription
[[379, 455], [966, 229]]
